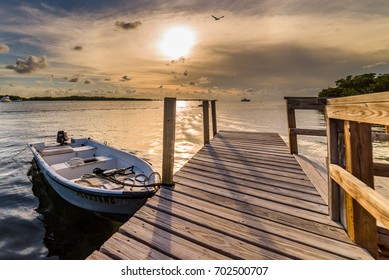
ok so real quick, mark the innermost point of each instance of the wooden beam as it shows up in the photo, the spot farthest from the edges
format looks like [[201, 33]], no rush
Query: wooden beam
[[381, 169], [169, 136], [373, 201], [387, 131], [382, 137], [372, 112], [334, 150], [362, 98], [311, 132], [291, 115], [206, 121], [361, 225], [306, 103], [214, 120]]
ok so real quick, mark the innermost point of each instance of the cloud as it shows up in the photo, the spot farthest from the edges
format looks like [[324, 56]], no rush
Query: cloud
[[125, 78], [128, 25], [375, 64], [204, 81], [77, 48], [30, 64], [74, 79], [4, 48]]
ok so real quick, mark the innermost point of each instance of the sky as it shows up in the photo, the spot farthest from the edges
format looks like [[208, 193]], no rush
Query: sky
[[263, 49]]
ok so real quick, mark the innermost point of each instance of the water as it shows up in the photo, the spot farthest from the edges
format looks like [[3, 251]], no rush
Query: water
[[35, 223]]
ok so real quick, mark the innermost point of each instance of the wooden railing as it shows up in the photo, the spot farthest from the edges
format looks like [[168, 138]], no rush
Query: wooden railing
[[352, 198], [301, 103], [169, 133]]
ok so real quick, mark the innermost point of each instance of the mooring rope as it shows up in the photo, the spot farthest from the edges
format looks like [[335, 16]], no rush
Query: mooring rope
[[110, 176]]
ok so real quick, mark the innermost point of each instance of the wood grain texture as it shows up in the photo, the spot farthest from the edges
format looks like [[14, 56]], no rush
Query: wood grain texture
[[241, 197]]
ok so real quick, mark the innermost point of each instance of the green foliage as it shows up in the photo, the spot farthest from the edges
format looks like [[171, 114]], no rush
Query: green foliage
[[360, 84]]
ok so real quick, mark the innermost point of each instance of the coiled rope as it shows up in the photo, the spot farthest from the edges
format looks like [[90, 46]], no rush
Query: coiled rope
[[140, 178]]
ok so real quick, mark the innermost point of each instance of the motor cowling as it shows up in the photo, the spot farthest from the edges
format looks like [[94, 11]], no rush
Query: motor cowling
[[62, 137]]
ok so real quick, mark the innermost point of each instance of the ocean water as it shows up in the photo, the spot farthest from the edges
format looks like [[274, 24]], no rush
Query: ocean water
[[35, 223]]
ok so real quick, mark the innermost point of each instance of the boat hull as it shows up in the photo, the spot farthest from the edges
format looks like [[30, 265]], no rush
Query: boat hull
[[99, 201], [91, 201]]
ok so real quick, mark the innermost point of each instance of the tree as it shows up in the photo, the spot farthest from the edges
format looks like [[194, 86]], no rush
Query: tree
[[360, 84]]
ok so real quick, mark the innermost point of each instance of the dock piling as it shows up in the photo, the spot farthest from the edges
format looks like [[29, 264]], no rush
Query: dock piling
[[169, 136]]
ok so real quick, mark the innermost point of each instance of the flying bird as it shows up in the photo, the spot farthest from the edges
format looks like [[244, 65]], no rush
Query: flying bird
[[217, 18]]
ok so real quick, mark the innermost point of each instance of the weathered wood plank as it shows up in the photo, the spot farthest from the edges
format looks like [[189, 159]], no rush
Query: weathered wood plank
[[320, 183], [222, 197], [377, 112], [207, 238], [241, 166], [97, 255], [334, 152], [283, 239], [239, 174], [167, 242], [250, 161], [242, 213], [169, 138], [309, 103], [374, 202], [212, 178], [306, 131], [120, 246], [206, 122], [291, 117], [261, 191], [214, 120], [381, 169], [363, 98], [238, 198], [259, 154], [362, 226]]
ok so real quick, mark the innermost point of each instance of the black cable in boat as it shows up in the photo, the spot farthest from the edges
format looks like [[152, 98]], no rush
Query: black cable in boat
[[110, 177]]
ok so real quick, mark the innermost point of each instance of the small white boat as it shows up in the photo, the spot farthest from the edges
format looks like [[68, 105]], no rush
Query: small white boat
[[94, 176]]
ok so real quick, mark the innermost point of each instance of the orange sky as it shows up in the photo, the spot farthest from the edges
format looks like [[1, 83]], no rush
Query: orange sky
[[260, 49]]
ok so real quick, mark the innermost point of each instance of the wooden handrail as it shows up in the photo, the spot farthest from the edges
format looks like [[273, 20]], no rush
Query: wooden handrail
[[169, 133], [301, 103], [373, 202], [352, 199]]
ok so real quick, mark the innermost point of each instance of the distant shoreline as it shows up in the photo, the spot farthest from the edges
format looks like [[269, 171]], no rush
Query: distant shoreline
[[79, 98]]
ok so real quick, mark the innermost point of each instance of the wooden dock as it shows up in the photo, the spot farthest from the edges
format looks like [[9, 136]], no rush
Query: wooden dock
[[243, 196]]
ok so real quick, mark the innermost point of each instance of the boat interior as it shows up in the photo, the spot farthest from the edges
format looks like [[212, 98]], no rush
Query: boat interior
[[78, 164]]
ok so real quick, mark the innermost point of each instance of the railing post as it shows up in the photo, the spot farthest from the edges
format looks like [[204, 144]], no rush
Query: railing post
[[169, 135], [206, 121], [334, 148], [387, 131], [214, 121], [290, 112], [361, 225]]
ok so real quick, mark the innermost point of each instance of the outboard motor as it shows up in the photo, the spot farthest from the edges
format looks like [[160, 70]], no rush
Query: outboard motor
[[62, 137]]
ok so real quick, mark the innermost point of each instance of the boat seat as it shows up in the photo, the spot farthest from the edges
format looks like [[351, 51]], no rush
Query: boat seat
[[49, 151], [77, 167]]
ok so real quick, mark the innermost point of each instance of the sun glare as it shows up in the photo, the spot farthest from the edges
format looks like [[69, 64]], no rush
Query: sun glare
[[177, 42]]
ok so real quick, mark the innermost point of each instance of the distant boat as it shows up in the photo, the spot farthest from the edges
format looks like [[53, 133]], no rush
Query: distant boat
[[245, 100], [94, 176], [5, 99]]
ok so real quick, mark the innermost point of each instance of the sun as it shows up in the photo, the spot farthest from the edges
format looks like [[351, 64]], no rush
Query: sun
[[177, 42]]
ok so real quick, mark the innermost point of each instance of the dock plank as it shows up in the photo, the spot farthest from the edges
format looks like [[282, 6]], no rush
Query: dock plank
[[243, 196]]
